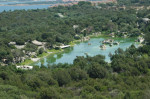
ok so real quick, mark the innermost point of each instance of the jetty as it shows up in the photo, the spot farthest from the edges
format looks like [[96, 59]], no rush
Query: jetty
[[64, 46]]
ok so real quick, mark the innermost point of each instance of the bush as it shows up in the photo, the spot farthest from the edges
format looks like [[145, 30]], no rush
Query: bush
[[20, 42], [62, 77], [97, 71], [48, 93], [77, 74]]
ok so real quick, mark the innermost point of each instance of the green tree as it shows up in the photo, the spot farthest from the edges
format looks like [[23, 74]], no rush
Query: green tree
[[97, 71], [62, 77]]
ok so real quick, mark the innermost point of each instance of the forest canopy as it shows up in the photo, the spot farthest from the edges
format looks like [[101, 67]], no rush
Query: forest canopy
[[126, 77], [56, 25]]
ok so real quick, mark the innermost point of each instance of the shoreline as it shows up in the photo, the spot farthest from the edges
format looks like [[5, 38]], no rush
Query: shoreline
[[64, 3], [54, 51], [24, 4]]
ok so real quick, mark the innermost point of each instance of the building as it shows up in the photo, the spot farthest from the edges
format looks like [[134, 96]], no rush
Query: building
[[35, 42], [12, 43], [146, 20], [25, 67], [141, 39]]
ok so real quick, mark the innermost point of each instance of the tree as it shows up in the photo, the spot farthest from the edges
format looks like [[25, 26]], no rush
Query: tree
[[77, 74], [97, 71], [48, 93], [147, 38], [20, 42], [41, 50], [62, 77]]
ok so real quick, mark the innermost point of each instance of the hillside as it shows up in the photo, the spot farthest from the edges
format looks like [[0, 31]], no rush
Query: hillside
[[127, 76]]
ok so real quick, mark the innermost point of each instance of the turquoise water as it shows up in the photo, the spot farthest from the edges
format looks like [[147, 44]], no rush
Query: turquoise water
[[80, 49], [7, 7], [27, 7]]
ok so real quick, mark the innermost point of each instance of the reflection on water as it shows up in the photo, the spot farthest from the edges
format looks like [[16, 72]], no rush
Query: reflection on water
[[83, 48]]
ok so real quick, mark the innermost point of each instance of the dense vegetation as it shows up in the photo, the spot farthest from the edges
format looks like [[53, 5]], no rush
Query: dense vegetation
[[134, 2], [48, 26], [126, 77], [17, 0]]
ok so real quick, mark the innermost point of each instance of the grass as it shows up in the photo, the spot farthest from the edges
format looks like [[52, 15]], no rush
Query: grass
[[47, 53], [27, 61], [98, 36]]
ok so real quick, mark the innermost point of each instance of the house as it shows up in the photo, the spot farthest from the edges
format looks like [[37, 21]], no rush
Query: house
[[25, 67], [39, 44], [75, 26], [35, 42], [140, 39], [19, 46], [146, 20], [12, 43]]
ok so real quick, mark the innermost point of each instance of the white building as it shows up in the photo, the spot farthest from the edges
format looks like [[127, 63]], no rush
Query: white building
[[25, 67]]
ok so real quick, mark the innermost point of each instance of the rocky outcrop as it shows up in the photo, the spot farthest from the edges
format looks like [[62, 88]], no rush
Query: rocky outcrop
[[85, 38]]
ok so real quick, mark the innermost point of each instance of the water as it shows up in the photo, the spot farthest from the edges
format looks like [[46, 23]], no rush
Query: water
[[26, 7], [80, 49], [6, 7]]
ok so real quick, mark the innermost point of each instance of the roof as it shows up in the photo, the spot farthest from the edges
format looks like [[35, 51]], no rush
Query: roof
[[19, 46], [37, 43], [146, 19], [12, 43], [25, 67]]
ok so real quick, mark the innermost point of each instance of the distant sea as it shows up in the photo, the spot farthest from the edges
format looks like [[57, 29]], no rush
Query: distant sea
[[5, 6]]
